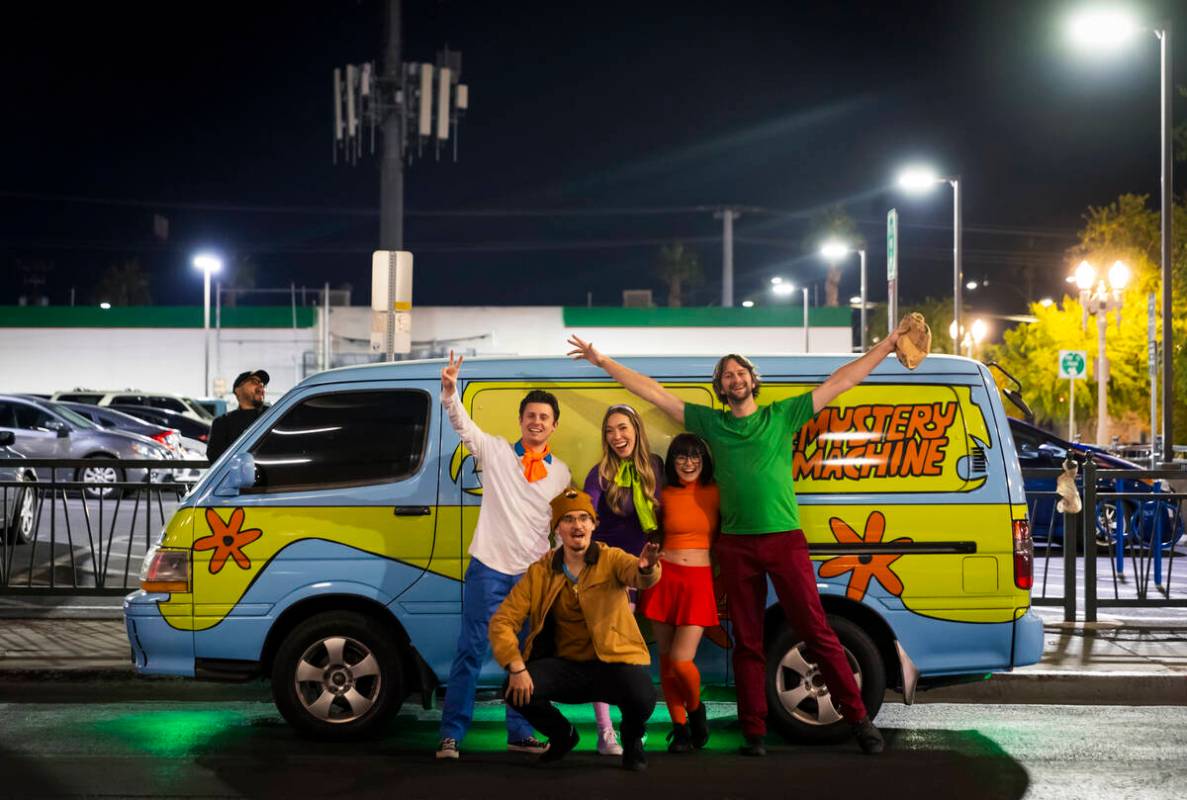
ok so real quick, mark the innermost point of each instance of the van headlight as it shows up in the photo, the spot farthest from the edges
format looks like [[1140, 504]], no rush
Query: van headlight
[[165, 570]]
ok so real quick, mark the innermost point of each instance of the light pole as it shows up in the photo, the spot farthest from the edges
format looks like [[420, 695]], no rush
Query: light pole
[[782, 288], [1099, 299], [209, 264], [1109, 29], [970, 336], [922, 179], [834, 250]]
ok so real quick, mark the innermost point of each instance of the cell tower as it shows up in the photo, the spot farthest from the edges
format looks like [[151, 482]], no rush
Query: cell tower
[[417, 108]]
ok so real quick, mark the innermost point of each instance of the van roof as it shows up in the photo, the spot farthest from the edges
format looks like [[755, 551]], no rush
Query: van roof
[[666, 366]]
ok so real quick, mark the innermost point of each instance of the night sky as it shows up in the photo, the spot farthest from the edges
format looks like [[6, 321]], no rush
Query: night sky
[[218, 116]]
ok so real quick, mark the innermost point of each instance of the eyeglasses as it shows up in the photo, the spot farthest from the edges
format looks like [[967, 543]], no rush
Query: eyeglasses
[[688, 459]]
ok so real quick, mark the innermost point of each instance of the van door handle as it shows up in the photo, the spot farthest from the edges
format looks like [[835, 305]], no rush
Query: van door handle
[[412, 511]]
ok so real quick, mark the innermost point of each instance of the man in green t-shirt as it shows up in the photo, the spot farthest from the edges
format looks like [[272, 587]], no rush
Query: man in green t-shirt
[[760, 522]]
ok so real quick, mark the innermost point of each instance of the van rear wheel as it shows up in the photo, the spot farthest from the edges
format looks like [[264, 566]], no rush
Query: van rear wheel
[[799, 705], [337, 676]]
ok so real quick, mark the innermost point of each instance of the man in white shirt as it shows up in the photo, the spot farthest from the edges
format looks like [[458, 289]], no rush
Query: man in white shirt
[[518, 482]]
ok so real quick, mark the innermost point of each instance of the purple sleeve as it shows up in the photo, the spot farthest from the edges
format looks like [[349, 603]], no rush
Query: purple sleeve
[[661, 478], [593, 486]]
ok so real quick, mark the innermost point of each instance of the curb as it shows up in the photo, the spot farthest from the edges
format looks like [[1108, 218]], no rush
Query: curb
[[1067, 687]]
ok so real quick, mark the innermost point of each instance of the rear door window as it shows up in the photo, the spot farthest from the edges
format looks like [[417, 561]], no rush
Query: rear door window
[[129, 400], [169, 403], [344, 439]]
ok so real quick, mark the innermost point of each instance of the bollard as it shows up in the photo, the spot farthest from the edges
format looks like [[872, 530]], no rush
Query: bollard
[[1088, 529], [1070, 526]]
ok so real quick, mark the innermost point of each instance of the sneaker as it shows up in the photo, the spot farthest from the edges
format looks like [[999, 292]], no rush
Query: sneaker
[[633, 757], [529, 745], [448, 749], [754, 746], [869, 738], [698, 726], [679, 740], [559, 747], [608, 743]]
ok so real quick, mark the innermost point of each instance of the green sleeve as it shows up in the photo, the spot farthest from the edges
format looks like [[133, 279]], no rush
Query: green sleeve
[[698, 418], [798, 410]]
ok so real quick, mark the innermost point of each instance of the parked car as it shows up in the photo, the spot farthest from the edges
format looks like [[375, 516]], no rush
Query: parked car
[[44, 429], [18, 503], [186, 406], [1148, 520], [187, 426], [107, 417]]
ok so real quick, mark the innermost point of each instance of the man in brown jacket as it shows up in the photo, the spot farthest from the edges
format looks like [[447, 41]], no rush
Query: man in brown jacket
[[583, 643]]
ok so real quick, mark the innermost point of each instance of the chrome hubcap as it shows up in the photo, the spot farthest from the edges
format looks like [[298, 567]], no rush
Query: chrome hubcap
[[25, 513], [801, 688], [338, 679]]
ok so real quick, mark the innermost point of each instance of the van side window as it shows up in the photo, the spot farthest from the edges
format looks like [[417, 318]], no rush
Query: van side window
[[344, 439]]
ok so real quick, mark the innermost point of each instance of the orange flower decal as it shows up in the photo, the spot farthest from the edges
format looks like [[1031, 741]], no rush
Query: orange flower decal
[[227, 540], [867, 565]]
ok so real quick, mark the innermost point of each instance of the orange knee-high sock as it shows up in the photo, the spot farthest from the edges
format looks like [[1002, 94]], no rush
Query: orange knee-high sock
[[688, 678], [672, 693]]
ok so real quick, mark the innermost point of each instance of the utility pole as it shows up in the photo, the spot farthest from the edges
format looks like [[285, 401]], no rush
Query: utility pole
[[391, 175], [727, 217]]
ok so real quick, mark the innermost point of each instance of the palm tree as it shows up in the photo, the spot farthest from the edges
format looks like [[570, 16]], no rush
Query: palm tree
[[679, 267], [833, 223]]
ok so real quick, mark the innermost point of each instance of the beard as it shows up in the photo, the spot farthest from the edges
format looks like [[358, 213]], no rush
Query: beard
[[739, 394]]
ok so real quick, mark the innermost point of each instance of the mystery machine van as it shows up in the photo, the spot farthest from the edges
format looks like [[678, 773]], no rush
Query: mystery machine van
[[325, 549]]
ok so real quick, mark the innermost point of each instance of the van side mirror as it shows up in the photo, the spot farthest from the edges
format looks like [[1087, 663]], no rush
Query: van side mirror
[[241, 474]]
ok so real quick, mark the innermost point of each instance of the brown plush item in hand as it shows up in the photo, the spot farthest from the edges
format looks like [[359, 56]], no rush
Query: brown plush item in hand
[[914, 345]]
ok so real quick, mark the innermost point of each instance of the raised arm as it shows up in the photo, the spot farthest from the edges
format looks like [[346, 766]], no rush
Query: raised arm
[[636, 383], [855, 371], [470, 434]]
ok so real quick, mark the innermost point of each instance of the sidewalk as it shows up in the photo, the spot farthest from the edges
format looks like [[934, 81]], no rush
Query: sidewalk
[[1128, 665]]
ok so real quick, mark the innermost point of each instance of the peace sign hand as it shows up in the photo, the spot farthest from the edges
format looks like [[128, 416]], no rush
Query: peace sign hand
[[449, 375], [585, 350]]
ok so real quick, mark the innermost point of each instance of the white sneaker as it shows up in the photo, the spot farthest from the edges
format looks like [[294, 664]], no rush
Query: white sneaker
[[608, 743]]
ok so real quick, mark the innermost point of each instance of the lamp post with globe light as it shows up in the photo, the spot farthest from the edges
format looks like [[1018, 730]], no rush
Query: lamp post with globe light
[[834, 250], [1098, 298]]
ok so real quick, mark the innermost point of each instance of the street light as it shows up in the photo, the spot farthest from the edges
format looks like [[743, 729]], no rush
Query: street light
[[1111, 28], [922, 179], [1098, 298], [970, 337], [835, 250], [209, 264], [782, 288]]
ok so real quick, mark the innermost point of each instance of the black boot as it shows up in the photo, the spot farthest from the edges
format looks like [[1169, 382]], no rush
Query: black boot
[[869, 738], [633, 757], [698, 726], [754, 747], [559, 747], [679, 740]]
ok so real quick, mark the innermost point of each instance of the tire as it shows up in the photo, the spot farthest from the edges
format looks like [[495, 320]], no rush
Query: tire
[[316, 679], [18, 528], [792, 679], [100, 473]]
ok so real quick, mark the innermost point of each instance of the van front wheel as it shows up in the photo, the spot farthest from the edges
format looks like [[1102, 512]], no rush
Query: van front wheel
[[336, 676], [799, 705]]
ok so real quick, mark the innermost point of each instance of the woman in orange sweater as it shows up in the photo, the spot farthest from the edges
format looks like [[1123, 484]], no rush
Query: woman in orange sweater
[[682, 605]]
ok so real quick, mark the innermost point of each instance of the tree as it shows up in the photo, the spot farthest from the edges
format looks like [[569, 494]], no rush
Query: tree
[[678, 267], [124, 284], [1126, 230], [833, 223], [242, 277]]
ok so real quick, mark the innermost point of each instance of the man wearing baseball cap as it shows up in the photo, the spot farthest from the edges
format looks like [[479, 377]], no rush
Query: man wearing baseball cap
[[249, 391], [583, 643]]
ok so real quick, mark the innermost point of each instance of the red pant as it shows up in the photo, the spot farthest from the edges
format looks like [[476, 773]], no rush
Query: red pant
[[745, 562]]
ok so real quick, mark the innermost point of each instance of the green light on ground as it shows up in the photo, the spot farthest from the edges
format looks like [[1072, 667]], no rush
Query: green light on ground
[[168, 733]]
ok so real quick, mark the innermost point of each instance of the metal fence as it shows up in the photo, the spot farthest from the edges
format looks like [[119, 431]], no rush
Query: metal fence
[[1123, 545], [67, 536]]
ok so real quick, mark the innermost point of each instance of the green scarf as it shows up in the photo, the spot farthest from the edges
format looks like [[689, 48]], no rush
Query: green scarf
[[644, 508]]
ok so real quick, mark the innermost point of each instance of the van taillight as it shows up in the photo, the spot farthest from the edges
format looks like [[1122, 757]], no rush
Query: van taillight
[[165, 571], [1024, 555]]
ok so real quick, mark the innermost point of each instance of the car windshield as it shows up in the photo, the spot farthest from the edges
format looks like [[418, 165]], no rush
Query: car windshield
[[73, 417], [198, 408]]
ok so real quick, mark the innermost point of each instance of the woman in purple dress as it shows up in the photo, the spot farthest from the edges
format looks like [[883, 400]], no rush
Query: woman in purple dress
[[624, 486]]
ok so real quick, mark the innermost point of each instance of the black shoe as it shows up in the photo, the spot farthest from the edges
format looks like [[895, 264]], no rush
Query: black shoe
[[633, 757], [754, 747], [698, 726], [679, 740], [559, 747], [868, 737]]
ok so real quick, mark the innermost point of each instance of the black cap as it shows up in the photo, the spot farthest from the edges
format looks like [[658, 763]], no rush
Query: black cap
[[242, 376]]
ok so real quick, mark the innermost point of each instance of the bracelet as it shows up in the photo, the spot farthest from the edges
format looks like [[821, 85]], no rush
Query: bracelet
[[516, 671]]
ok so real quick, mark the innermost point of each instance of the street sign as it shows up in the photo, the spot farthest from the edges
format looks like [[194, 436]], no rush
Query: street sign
[[892, 245], [1073, 364]]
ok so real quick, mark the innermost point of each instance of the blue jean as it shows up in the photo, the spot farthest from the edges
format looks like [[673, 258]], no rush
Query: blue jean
[[484, 590]]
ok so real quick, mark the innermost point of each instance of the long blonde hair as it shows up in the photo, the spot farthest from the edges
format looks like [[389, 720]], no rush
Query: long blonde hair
[[617, 496]]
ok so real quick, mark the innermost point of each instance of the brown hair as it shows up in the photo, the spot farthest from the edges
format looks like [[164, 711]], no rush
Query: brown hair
[[616, 496], [720, 368]]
